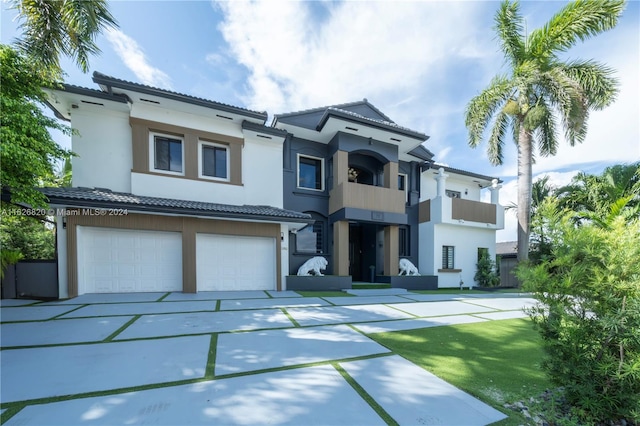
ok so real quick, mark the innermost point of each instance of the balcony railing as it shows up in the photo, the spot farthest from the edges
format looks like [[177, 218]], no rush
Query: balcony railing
[[366, 197], [456, 209], [473, 211]]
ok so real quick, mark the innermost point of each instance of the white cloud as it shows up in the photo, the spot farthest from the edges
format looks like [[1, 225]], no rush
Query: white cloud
[[134, 58], [388, 52]]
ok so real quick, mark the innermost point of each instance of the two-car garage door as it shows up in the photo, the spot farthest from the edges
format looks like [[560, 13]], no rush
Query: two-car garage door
[[118, 260]]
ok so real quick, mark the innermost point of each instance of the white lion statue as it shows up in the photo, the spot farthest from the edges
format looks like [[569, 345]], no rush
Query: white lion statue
[[408, 268], [313, 266]]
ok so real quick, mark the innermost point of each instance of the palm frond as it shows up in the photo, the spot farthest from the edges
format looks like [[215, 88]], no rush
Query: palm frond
[[567, 96], [509, 29], [578, 20], [495, 144], [597, 81], [483, 106], [546, 131]]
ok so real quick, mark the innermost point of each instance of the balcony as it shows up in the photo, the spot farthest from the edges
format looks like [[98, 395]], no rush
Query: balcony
[[460, 211], [366, 197]]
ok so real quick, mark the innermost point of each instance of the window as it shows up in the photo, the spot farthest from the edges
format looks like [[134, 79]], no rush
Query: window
[[403, 244], [452, 194], [214, 161], [310, 173], [402, 185], [309, 238], [447, 257], [167, 152], [482, 252]]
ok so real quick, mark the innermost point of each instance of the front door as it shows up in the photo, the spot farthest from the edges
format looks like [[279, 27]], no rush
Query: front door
[[362, 250], [355, 251]]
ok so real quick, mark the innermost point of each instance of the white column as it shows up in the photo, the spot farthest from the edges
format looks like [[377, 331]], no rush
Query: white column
[[495, 191], [441, 178]]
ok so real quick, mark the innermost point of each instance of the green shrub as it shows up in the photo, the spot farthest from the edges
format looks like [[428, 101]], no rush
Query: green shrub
[[589, 314], [486, 274]]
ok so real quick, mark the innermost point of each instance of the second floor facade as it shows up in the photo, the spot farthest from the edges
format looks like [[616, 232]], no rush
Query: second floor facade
[[137, 139], [347, 162]]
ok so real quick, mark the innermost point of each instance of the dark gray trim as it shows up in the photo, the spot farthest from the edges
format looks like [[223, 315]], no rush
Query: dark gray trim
[[83, 91], [111, 82], [369, 216], [422, 153], [359, 119], [106, 199], [340, 106]]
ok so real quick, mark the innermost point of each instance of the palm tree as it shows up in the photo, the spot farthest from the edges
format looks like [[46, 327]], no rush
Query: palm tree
[[617, 189], [542, 90], [62, 27]]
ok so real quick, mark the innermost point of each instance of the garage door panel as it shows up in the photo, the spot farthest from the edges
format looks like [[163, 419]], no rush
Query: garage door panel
[[235, 263], [118, 260]]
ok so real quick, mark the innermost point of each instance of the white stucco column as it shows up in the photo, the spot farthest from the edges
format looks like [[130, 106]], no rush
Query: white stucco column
[[441, 178], [495, 191]]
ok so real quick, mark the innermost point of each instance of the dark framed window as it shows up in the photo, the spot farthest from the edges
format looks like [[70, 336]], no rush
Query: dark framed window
[[482, 252], [310, 173], [402, 182], [167, 154], [404, 246], [309, 239], [214, 161], [448, 253]]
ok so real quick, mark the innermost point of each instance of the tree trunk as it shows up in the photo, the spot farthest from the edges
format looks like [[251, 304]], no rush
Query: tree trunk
[[525, 141]]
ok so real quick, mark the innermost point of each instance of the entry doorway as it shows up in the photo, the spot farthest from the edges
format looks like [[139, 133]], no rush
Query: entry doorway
[[365, 248]]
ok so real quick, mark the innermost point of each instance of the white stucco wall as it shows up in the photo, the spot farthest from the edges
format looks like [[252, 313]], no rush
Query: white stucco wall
[[466, 241], [428, 186], [103, 146], [189, 120], [261, 180]]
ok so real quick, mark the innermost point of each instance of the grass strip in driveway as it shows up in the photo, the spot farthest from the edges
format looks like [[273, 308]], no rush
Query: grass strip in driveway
[[496, 361], [364, 395], [121, 329]]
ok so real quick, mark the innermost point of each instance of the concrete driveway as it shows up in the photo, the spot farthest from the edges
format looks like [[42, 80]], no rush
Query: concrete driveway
[[241, 358]]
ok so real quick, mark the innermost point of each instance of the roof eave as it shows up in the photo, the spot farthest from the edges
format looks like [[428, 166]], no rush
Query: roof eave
[[381, 126], [110, 82]]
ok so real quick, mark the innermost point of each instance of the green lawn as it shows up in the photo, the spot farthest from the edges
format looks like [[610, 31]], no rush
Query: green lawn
[[496, 361]]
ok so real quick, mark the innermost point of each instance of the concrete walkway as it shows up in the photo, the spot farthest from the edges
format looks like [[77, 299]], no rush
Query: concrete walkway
[[242, 358]]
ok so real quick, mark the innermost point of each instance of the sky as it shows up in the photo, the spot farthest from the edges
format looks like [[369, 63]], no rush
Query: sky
[[420, 62]]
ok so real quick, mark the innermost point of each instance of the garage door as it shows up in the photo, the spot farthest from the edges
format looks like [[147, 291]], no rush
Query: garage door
[[235, 263], [119, 260]]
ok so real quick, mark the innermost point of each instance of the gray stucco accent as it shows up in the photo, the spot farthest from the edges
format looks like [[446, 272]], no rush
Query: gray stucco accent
[[365, 121], [369, 216], [348, 142]]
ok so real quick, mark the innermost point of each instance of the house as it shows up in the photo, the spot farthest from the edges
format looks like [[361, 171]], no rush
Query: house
[[170, 193], [376, 195], [177, 193]]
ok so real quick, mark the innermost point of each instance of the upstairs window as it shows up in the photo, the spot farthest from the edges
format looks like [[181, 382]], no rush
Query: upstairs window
[[448, 257], [167, 153], [452, 194], [402, 185], [214, 161], [310, 173]]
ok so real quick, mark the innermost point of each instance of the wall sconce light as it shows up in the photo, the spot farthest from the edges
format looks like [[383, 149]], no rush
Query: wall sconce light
[[282, 236], [466, 191]]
